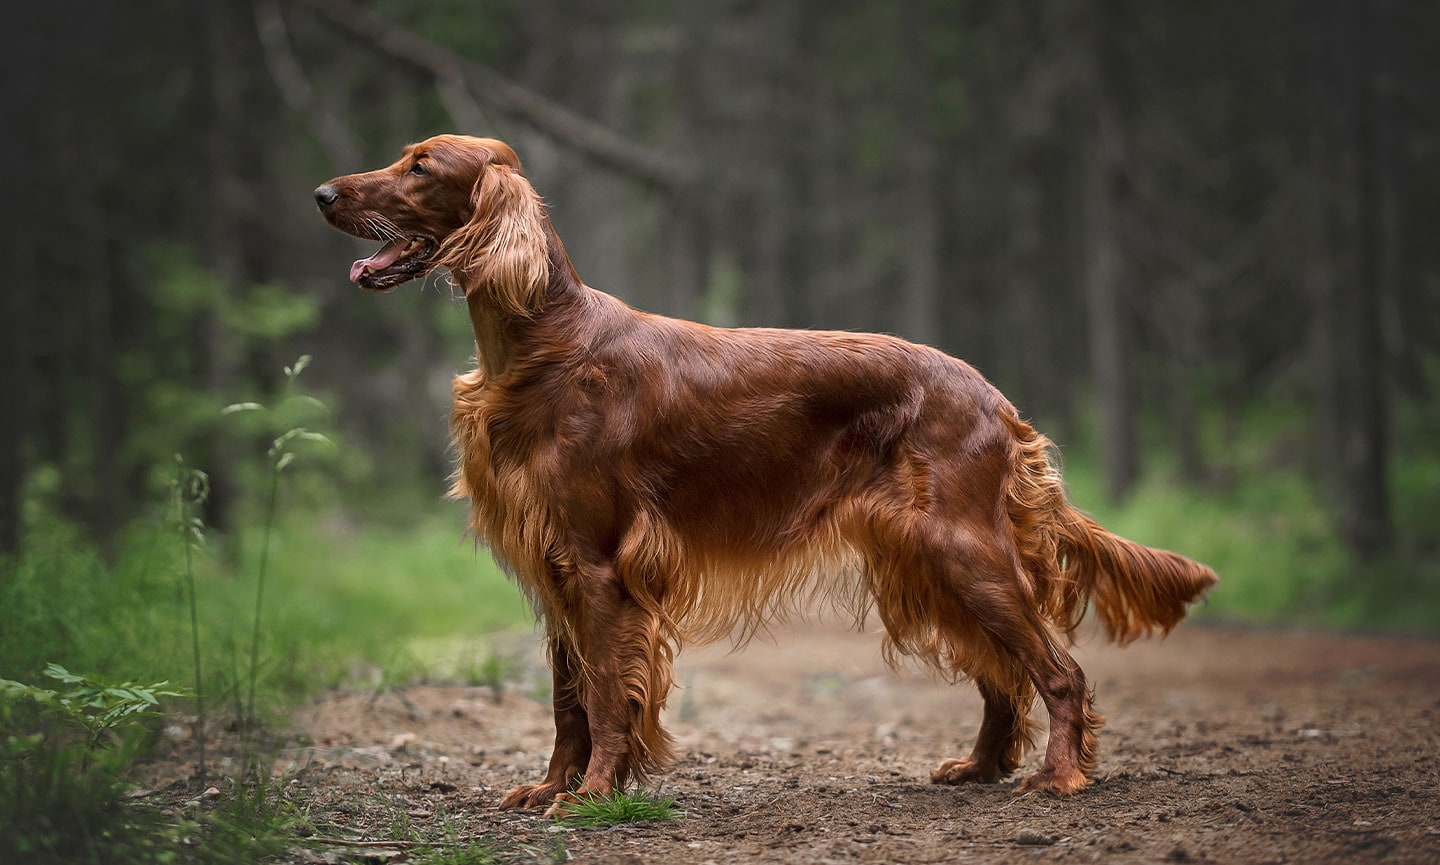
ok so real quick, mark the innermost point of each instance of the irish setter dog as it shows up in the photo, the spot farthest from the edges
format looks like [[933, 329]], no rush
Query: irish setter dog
[[650, 483]]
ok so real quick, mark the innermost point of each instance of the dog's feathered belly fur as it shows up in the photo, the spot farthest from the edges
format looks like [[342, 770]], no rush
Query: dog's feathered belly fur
[[809, 472]]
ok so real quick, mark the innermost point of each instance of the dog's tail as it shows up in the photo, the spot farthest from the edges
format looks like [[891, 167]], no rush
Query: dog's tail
[[1073, 560]]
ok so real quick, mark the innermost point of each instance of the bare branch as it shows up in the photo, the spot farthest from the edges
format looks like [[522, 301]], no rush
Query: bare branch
[[334, 136], [464, 111], [601, 144]]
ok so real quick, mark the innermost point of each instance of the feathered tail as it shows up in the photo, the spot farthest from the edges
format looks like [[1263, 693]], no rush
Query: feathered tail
[[1073, 560]]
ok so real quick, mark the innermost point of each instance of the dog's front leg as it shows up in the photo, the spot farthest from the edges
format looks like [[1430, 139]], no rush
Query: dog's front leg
[[627, 678], [572, 734]]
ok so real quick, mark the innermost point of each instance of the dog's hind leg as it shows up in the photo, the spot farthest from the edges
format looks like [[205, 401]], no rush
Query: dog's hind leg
[[1018, 632], [572, 733], [983, 575], [1071, 753], [1006, 730]]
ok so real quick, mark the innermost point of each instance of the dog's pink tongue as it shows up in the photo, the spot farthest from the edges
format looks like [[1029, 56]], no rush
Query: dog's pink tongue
[[380, 260]]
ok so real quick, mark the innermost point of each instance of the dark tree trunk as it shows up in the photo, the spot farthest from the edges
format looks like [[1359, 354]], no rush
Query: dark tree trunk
[[1345, 277], [20, 246], [1365, 420], [919, 305], [1110, 351], [806, 254], [774, 177], [16, 366], [222, 241], [1401, 289], [683, 217]]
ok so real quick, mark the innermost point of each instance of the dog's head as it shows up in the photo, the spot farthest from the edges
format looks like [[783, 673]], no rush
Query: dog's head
[[452, 201]]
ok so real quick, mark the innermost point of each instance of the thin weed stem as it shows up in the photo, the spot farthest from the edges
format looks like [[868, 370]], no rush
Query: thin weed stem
[[183, 490], [260, 594]]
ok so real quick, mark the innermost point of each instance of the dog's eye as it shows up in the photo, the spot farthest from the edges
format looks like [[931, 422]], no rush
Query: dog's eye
[[417, 168]]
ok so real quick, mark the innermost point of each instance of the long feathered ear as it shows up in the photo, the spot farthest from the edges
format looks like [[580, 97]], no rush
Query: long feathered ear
[[502, 250]]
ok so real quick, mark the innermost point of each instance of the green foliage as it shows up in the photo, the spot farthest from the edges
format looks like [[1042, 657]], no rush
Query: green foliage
[[621, 806], [1269, 531], [205, 330], [1266, 537], [188, 494], [62, 601], [280, 456], [64, 757], [100, 710], [286, 420], [63, 751], [342, 601], [493, 671]]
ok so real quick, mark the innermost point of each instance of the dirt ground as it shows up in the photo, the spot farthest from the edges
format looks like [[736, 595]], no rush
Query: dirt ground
[[1222, 745]]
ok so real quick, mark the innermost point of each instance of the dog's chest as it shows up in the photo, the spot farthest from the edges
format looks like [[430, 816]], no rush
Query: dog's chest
[[508, 444]]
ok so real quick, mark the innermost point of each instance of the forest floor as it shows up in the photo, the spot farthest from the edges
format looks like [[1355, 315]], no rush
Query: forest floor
[[1223, 745]]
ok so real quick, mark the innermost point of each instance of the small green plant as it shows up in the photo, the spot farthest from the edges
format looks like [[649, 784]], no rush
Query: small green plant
[[280, 455], [191, 489], [101, 711], [62, 752], [620, 806]]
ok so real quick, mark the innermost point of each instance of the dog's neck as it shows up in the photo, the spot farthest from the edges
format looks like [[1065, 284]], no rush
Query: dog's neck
[[499, 333]]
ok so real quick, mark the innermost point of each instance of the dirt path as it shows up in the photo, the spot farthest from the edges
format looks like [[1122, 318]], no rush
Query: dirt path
[[1223, 745]]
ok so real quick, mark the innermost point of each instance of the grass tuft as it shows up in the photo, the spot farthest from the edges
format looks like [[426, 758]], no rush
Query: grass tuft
[[475, 852], [252, 820], [619, 807]]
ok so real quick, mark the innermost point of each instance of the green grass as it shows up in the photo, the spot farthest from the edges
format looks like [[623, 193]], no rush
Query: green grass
[[249, 821], [1271, 538], [620, 806], [344, 602], [374, 595]]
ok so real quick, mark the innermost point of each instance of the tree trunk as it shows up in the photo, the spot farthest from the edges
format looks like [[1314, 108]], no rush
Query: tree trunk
[[919, 306], [1346, 280], [684, 229], [222, 241], [1402, 291], [15, 357], [22, 240], [1110, 353], [1364, 419]]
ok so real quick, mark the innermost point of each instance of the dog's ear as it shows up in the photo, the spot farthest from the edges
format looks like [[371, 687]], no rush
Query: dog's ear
[[502, 250]]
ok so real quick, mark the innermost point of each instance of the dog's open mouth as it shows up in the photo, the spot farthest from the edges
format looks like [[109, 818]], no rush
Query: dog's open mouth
[[399, 260]]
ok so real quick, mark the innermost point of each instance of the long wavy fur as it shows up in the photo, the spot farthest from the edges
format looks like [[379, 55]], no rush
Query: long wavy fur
[[503, 246], [1136, 590]]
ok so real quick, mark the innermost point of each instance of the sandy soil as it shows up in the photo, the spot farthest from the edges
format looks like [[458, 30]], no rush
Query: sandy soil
[[1223, 745]]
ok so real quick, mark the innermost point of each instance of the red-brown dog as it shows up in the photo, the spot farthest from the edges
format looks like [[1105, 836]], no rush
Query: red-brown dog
[[652, 482]]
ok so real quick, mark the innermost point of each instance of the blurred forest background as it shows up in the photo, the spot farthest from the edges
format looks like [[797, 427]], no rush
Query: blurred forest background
[[1194, 241]]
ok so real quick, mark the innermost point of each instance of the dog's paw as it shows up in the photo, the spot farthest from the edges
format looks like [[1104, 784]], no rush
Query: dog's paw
[[964, 772], [560, 808], [531, 796], [1055, 782]]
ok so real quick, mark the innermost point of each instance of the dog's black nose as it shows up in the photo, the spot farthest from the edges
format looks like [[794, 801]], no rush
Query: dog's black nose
[[326, 196]]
